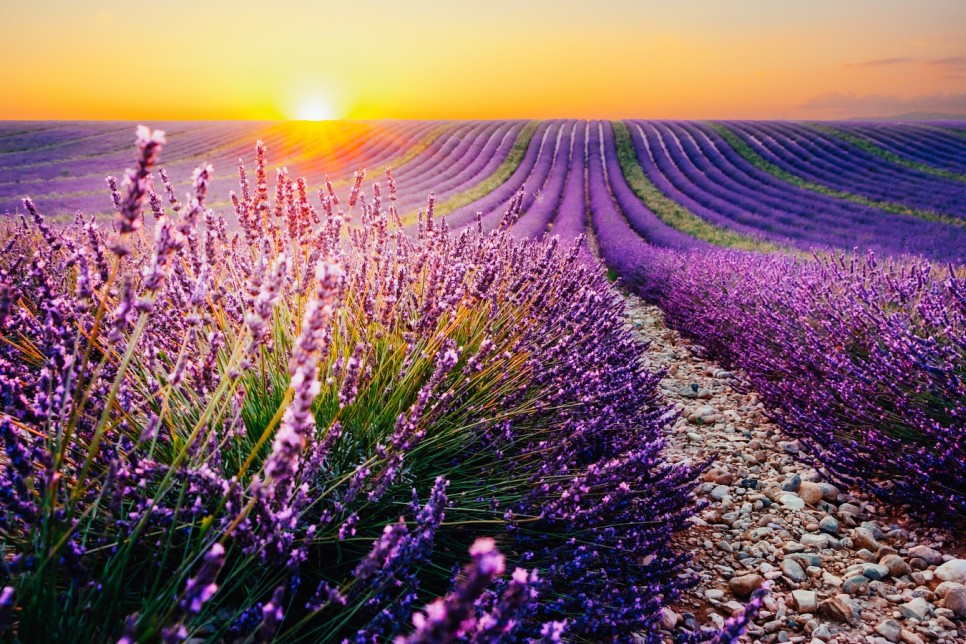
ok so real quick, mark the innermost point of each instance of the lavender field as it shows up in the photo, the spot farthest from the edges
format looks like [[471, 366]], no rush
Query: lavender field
[[485, 381]]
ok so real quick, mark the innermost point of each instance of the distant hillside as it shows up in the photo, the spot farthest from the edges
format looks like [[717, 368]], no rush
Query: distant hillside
[[914, 116]]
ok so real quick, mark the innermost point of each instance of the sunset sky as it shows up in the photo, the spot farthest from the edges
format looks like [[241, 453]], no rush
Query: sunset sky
[[214, 59]]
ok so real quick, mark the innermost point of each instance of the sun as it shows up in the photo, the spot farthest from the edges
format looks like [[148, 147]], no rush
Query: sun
[[315, 109]]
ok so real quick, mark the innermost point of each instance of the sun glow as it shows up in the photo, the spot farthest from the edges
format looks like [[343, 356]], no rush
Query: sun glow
[[315, 109]]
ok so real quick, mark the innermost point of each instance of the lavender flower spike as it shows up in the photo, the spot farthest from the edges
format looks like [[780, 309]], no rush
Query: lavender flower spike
[[298, 420], [449, 618], [149, 144], [202, 587]]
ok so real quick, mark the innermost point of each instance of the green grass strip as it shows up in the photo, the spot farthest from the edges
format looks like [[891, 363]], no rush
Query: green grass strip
[[503, 172], [872, 148], [671, 212], [761, 163]]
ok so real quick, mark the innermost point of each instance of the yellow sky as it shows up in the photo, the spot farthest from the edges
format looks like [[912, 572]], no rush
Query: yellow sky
[[212, 59]]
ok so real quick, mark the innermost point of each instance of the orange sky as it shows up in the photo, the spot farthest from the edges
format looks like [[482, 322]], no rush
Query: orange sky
[[212, 59]]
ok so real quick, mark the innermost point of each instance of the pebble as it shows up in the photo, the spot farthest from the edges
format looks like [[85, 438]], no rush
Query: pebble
[[890, 629], [792, 501], [793, 571], [792, 483], [669, 618], [806, 601], [955, 600], [822, 633], [896, 565], [927, 554], [810, 492], [819, 541], [831, 580], [837, 609], [849, 508], [910, 638], [952, 570], [858, 585], [875, 572], [744, 585], [865, 538], [918, 608], [829, 525]]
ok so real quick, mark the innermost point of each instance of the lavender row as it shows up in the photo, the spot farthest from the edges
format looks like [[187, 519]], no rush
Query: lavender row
[[570, 221], [644, 222], [942, 151], [444, 167], [222, 142], [548, 195], [827, 221], [659, 166], [832, 162], [692, 165], [529, 189], [621, 247], [65, 195], [483, 156], [862, 362], [502, 195]]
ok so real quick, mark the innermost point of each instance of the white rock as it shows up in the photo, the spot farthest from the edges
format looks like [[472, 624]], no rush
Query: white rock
[[810, 492], [945, 587], [806, 601], [952, 570], [819, 541], [918, 608]]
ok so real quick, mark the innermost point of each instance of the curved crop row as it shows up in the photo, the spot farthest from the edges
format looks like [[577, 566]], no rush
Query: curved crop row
[[748, 153], [509, 167], [914, 152], [833, 162]]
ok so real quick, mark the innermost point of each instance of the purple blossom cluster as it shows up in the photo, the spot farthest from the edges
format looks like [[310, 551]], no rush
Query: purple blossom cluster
[[221, 428]]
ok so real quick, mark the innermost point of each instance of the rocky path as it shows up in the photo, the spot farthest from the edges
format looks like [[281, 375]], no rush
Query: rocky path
[[843, 567]]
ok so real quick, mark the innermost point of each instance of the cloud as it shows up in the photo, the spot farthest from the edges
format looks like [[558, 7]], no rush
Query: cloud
[[838, 105], [882, 62], [954, 66]]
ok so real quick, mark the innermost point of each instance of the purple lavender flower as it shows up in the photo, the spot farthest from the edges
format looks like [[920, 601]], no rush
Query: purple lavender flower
[[136, 183], [202, 587], [298, 421], [453, 616]]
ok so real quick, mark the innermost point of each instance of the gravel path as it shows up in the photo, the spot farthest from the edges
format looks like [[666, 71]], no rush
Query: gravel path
[[843, 567]]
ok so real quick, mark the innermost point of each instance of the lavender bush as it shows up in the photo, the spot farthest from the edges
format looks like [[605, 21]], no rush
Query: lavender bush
[[864, 362], [295, 430]]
